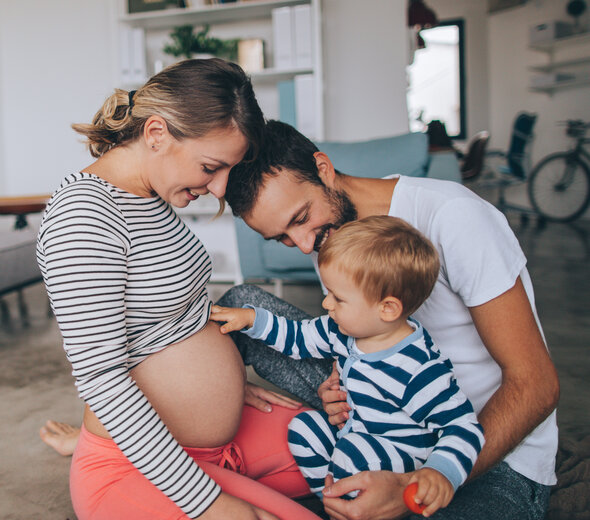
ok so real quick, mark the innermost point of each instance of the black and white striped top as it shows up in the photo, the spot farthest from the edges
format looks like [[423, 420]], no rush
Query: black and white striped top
[[126, 278]]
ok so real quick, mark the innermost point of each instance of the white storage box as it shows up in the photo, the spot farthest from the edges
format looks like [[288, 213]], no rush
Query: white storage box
[[550, 79], [548, 31]]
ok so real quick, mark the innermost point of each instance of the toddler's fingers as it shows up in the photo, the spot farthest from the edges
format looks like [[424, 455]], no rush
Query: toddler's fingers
[[433, 507], [229, 327]]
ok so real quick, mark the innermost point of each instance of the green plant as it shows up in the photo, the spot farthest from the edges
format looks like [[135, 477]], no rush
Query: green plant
[[186, 43]]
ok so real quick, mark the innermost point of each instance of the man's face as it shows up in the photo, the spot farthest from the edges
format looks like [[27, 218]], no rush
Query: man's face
[[298, 213]]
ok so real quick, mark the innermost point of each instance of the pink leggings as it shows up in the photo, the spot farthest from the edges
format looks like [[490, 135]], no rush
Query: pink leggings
[[257, 467]]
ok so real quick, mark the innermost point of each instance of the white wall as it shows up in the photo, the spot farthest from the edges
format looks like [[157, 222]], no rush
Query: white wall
[[58, 63], [474, 13], [55, 69], [2, 154], [365, 55], [509, 59]]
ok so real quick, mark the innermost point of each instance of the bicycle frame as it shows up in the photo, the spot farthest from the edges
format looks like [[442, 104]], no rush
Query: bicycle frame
[[559, 184]]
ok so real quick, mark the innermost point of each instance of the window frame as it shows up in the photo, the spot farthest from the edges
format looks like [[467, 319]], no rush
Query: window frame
[[460, 24]]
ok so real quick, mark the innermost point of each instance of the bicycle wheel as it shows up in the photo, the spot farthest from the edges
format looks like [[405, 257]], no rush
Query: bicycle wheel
[[559, 187]]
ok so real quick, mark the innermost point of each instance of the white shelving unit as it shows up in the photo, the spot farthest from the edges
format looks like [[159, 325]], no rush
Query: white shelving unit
[[232, 17], [240, 19], [218, 235], [211, 14], [577, 68]]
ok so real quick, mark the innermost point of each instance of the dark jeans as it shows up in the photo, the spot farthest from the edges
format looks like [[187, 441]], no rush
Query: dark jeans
[[299, 377], [499, 494]]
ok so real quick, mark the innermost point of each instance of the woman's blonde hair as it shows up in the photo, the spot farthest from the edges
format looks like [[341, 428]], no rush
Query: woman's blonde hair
[[385, 256], [193, 96]]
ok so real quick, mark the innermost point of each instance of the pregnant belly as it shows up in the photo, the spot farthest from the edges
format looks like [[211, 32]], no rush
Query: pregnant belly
[[197, 387]]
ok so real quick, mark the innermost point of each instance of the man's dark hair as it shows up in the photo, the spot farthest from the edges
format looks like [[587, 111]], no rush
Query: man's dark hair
[[283, 147]]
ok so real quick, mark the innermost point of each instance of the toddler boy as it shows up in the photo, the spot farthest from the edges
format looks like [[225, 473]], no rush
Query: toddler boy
[[407, 411]]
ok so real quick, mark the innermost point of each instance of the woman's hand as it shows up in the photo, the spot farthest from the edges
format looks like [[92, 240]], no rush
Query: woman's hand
[[262, 399], [334, 399], [227, 507], [235, 319], [380, 496]]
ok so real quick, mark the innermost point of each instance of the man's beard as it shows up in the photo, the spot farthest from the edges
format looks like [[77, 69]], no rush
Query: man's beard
[[343, 210]]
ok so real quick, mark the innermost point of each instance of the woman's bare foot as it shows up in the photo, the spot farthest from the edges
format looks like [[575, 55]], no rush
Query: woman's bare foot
[[61, 437]]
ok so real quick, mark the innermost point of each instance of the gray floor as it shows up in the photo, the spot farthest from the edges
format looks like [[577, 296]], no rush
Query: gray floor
[[35, 381]]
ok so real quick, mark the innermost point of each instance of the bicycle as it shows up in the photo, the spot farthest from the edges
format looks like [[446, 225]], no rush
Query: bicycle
[[559, 185]]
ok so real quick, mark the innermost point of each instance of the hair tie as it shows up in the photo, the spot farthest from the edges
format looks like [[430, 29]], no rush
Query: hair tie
[[130, 96]]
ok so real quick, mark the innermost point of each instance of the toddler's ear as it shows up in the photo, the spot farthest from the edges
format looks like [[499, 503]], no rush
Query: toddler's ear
[[390, 309]]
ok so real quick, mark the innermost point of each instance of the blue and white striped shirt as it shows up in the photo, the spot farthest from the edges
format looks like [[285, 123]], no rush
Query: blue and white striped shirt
[[407, 393]]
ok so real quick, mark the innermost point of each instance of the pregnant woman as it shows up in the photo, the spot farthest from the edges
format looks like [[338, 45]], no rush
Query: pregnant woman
[[166, 434]]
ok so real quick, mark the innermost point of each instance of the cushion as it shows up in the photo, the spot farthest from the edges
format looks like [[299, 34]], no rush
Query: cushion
[[267, 259], [406, 154], [18, 259]]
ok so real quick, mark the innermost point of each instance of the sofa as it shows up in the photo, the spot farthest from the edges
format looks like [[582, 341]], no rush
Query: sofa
[[407, 154], [18, 241]]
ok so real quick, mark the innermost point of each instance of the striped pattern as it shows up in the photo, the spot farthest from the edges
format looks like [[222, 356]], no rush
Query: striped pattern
[[406, 394], [125, 279]]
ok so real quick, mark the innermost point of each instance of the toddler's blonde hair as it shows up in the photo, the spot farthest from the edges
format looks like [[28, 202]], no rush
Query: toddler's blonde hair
[[385, 256]]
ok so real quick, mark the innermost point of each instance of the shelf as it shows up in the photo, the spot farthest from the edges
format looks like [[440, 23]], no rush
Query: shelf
[[278, 74], [550, 89], [559, 65], [210, 14], [566, 66], [551, 45]]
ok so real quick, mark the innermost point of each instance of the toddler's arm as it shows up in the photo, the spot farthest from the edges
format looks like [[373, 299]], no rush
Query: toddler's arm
[[235, 318], [296, 339]]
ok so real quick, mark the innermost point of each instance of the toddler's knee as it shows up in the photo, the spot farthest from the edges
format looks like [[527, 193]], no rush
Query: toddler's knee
[[298, 426], [310, 429]]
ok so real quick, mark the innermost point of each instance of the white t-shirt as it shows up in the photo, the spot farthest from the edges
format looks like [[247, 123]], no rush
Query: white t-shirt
[[480, 259]]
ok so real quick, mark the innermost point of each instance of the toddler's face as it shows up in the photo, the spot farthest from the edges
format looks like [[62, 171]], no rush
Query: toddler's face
[[347, 306]]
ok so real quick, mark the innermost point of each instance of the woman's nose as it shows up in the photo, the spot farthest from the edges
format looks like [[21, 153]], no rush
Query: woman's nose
[[218, 184]]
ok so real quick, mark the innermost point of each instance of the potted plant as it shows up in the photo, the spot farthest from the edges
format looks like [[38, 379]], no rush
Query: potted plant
[[186, 43]]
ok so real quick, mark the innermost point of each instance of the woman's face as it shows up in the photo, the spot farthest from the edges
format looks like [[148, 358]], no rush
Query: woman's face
[[189, 168]]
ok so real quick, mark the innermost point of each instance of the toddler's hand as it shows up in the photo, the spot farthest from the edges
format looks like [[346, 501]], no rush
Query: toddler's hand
[[236, 319], [434, 490]]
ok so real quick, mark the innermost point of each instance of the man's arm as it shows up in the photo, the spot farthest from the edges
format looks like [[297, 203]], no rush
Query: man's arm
[[530, 388], [527, 395]]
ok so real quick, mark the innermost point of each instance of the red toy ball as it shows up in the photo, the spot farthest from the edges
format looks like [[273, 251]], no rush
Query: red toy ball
[[409, 494]]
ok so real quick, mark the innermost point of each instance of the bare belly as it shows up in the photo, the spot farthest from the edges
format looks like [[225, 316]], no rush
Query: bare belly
[[197, 387]]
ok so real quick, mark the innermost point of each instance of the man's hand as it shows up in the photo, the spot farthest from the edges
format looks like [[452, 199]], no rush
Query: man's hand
[[334, 399], [380, 496], [261, 399], [235, 319]]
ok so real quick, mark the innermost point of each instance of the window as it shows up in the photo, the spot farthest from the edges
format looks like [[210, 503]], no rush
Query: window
[[436, 80]]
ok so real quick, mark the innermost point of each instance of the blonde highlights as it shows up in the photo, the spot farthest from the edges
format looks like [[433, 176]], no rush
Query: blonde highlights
[[385, 256], [192, 96]]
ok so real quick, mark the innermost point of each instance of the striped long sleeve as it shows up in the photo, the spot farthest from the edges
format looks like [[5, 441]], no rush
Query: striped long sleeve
[[126, 278], [407, 393]]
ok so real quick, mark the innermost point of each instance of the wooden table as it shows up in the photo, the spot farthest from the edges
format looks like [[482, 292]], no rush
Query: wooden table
[[22, 206]]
